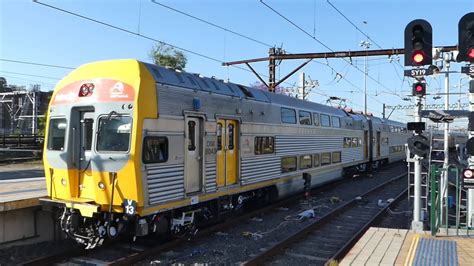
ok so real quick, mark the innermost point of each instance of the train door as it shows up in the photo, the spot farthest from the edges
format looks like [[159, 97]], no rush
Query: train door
[[193, 151], [366, 144], [227, 152], [378, 143], [83, 159]]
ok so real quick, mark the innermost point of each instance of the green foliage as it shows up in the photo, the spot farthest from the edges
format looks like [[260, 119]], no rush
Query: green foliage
[[165, 55]]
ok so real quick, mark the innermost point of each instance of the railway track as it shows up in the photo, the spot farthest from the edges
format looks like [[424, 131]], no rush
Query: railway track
[[128, 253], [331, 236]]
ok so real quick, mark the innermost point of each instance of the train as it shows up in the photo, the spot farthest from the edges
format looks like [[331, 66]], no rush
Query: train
[[137, 149]]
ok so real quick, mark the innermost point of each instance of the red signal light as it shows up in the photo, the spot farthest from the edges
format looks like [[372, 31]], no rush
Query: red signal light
[[418, 57], [471, 53], [419, 88]]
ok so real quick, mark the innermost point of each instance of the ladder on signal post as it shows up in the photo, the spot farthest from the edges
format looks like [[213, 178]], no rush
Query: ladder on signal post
[[425, 181]]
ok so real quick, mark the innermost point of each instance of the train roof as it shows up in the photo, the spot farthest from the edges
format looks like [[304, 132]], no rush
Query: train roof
[[192, 81]]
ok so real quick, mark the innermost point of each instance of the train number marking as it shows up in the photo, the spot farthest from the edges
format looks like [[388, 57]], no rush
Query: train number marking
[[129, 206]]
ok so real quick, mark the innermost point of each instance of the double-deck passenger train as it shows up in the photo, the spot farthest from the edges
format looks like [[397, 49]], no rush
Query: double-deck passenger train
[[133, 148]]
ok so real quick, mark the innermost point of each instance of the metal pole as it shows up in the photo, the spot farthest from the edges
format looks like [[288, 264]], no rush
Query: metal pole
[[444, 175], [417, 224], [365, 83], [470, 160], [302, 82]]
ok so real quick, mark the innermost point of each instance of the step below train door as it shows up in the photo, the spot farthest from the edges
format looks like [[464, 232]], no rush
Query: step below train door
[[193, 155], [227, 152]]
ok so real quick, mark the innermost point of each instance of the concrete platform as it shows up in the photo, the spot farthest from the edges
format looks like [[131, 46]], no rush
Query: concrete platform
[[383, 246], [21, 219], [31, 169]]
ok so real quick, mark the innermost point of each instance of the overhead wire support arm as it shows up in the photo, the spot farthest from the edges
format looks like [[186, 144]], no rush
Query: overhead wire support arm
[[256, 74]]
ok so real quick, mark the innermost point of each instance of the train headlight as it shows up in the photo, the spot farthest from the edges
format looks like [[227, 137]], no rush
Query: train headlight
[[63, 182], [468, 173], [101, 185]]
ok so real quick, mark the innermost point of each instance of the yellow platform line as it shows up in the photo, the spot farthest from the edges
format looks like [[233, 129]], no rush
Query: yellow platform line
[[412, 251]]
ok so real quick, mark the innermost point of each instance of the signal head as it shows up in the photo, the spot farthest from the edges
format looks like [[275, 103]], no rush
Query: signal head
[[418, 43], [419, 89], [466, 38]]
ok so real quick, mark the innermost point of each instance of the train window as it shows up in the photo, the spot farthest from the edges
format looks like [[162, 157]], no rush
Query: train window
[[219, 136], [305, 118], [306, 161], [56, 134], [231, 136], [156, 72], [336, 157], [325, 158], [288, 116], [205, 83], [288, 164], [191, 136], [355, 142], [336, 121], [181, 80], [325, 120], [245, 91], [316, 119], [114, 133], [359, 140], [347, 142], [384, 141], [316, 160], [155, 149], [264, 145], [192, 81], [215, 85], [86, 133]]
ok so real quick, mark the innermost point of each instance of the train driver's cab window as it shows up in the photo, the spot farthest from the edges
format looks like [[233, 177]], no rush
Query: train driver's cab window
[[305, 118], [56, 134], [316, 119], [288, 116], [325, 120], [155, 149], [325, 158], [114, 133], [306, 161], [336, 122], [288, 164]]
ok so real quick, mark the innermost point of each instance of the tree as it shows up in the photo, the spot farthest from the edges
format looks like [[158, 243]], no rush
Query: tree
[[279, 90], [165, 55]]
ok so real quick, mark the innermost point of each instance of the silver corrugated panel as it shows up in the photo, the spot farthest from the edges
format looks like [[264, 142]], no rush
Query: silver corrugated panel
[[165, 182], [211, 184], [352, 154], [298, 145], [258, 169]]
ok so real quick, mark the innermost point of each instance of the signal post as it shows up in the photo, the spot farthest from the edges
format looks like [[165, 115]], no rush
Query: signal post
[[466, 54], [418, 53]]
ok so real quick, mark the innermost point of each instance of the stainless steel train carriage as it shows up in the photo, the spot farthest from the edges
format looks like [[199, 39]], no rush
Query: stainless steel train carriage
[[132, 148]]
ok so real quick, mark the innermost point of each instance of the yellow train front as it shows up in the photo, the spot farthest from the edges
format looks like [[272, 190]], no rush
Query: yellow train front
[[132, 148]]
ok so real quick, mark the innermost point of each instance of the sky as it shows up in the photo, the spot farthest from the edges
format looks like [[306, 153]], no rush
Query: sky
[[40, 33]]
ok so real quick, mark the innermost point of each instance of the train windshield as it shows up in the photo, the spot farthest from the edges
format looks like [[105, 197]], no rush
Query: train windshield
[[114, 133]]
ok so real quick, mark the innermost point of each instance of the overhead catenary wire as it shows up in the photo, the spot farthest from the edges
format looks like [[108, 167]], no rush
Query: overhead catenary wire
[[212, 24], [139, 35], [33, 63], [322, 44]]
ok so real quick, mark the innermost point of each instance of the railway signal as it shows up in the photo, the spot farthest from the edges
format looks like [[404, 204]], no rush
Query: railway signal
[[466, 38], [419, 89], [419, 145], [418, 43]]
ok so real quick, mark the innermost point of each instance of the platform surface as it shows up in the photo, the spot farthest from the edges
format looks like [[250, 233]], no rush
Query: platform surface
[[383, 246], [21, 170], [21, 193]]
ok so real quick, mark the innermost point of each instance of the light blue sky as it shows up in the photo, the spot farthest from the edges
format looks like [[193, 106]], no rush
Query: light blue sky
[[36, 33]]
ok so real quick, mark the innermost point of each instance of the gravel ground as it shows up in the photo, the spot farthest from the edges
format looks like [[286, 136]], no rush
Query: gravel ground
[[20, 254], [238, 244]]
